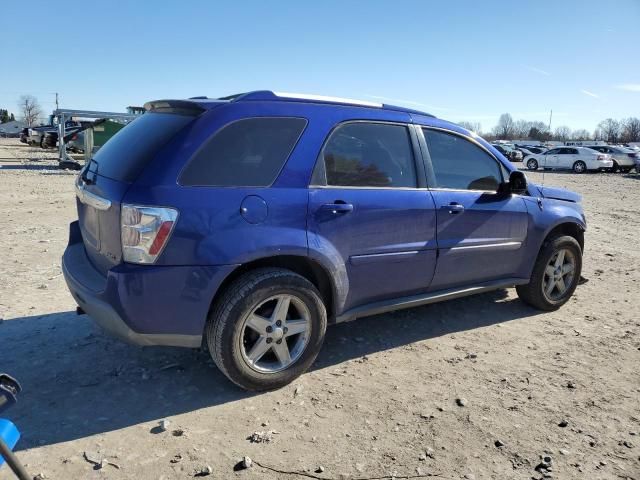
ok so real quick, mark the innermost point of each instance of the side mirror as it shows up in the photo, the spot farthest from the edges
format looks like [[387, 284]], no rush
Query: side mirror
[[517, 182]]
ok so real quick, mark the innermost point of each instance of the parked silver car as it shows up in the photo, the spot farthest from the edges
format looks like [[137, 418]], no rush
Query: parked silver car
[[624, 159], [578, 159]]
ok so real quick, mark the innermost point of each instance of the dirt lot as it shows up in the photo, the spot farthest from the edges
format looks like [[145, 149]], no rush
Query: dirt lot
[[381, 399]]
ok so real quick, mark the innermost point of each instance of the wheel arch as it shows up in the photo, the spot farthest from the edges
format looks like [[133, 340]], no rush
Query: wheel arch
[[308, 268], [567, 227]]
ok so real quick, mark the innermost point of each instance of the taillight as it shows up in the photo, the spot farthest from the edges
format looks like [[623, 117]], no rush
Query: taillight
[[144, 231], [601, 158]]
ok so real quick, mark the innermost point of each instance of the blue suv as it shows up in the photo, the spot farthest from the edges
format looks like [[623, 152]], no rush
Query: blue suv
[[246, 224]]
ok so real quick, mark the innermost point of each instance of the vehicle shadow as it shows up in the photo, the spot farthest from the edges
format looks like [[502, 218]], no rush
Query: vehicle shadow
[[78, 382]]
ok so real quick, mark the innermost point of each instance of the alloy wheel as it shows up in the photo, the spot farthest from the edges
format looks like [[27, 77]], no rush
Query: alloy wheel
[[559, 274], [275, 333]]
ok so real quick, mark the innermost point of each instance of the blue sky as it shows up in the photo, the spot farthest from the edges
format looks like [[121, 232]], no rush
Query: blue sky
[[460, 60]]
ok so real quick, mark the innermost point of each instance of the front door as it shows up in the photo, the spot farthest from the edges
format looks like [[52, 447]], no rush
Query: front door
[[480, 232], [551, 158], [366, 212]]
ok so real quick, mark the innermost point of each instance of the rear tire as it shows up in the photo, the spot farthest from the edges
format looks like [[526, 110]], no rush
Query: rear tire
[[276, 300], [538, 292], [615, 168], [579, 167], [532, 164]]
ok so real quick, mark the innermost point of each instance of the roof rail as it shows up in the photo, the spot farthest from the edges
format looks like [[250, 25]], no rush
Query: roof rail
[[266, 95], [269, 95]]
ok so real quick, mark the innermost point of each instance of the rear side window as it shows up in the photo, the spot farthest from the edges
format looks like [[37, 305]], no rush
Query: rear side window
[[245, 153], [367, 155], [460, 164], [125, 154]]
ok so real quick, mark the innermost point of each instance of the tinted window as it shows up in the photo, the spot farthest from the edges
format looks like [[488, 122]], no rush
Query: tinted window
[[369, 155], [567, 151], [460, 164], [124, 156], [553, 151], [245, 153]]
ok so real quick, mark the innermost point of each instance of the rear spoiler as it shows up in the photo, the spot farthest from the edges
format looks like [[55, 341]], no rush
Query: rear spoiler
[[180, 107]]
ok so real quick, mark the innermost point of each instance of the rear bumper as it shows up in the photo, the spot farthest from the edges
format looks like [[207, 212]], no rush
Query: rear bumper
[[600, 165], [143, 305]]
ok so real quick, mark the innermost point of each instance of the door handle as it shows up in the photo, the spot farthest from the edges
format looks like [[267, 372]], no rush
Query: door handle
[[454, 208], [337, 208]]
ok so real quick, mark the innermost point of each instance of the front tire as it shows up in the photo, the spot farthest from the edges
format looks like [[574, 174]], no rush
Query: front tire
[[555, 275], [579, 167], [532, 164], [266, 329]]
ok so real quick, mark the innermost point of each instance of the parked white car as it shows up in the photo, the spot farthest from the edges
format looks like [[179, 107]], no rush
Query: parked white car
[[578, 159], [624, 159]]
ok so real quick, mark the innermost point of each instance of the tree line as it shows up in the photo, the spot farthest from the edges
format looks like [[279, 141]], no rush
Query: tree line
[[29, 111], [5, 116], [610, 130]]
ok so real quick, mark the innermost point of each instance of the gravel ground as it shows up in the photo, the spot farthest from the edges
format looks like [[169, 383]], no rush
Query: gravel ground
[[482, 387]]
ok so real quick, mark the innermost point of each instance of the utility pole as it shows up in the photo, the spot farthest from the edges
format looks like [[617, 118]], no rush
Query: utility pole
[[57, 101], [550, 117]]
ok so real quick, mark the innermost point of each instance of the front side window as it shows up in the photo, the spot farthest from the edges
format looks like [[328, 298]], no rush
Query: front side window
[[246, 153], [364, 154], [460, 164], [553, 151]]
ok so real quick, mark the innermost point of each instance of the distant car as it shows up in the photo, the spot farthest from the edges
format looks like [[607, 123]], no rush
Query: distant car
[[47, 135], [536, 149], [524, 151], [35, 135], [624, 159], [509, 152], [50, 138], [578, 159]]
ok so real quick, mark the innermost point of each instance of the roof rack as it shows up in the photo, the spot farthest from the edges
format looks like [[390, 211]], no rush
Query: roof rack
[[266, 95]]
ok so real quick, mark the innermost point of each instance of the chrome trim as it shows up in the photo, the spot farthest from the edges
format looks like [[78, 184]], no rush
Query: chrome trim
[[357, 260], [349, 187], [445, 189], [411, 252], [488, 245], [91, 199]]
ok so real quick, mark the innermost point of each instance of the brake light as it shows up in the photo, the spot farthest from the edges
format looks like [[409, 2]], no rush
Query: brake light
[[144, 231], [601, 158]]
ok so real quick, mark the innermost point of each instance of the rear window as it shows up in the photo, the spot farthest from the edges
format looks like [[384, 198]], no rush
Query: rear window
[[124, 155], [246, 153]]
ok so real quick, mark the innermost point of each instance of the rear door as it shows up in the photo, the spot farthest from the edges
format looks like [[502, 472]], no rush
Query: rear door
[[480, 232], [104, 181], [369, 210]]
